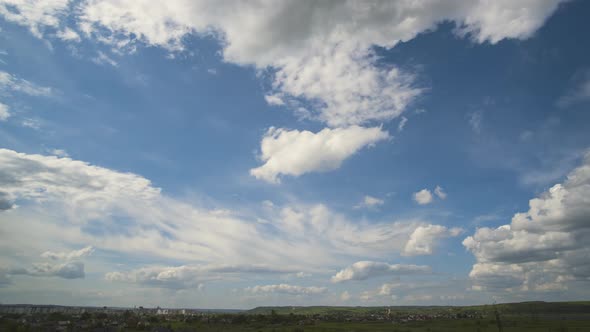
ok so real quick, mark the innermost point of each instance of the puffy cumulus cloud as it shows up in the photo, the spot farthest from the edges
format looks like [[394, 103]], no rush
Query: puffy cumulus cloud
[[68, 200], [68, 270], [328, 62], [72, 255], [542, 249], [9, 82], [366, 269], [423, 197], [287, 289], [4, 112], [319, 53], [495, 20], [424, 238], [370, 202], [497, 276], [294, 152], [345, 87]]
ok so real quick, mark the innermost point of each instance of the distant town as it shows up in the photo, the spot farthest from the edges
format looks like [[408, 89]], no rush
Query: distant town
[[24, 317]]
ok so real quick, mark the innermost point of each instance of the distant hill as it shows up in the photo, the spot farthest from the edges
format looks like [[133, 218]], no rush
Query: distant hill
[[508, 308]]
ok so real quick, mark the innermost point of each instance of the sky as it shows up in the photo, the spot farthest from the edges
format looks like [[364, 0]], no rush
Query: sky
[[233, 154]]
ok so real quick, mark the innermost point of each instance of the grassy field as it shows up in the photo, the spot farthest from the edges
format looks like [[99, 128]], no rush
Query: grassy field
[[506, 308], [527, 316], [510, 325]]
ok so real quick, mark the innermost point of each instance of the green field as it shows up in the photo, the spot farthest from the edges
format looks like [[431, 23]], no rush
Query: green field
[[527, 316], [515, 324], [505, 308]]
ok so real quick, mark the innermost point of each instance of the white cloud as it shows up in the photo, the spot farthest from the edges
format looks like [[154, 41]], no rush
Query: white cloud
[[497, 276], [44, 177], [366, 269], [68, 270], [103, 59], [365, 296], [287, 289], [35, 14], [387, 288], [318, 224], [370, 202], [423, 197], [31, 123], [319, 53], [437, 286], [4, 113], [294, 152], [543, 248], [494, 21], [72, 268], [186, 276], [345, 86], [59, 152], [9, 82], [344, 296], [76, 254], [68, 35], [425, 238], [274, 100], [64, 199], [295, 26], [439, 191], [402, 123]]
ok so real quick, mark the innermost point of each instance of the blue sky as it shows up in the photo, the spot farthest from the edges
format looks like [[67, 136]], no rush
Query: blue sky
[[191, 154]]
